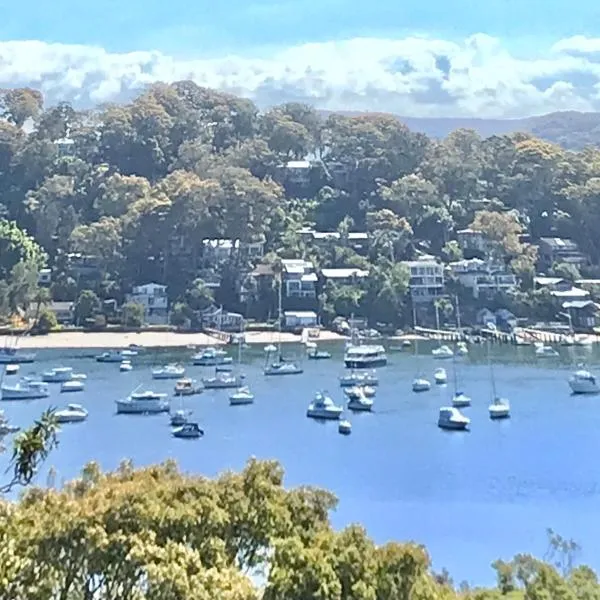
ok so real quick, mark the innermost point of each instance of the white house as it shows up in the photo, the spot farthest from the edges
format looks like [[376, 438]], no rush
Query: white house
[[426, 279], [299, 278], [45, 277], [344, 276], [299, 319], [482, 277], [153, 297]]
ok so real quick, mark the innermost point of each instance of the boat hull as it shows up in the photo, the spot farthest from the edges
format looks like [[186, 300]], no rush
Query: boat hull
[[177, 375], [16, 359], [70, 418], [357, 363], [323, 415], [498, 415], [450, 426], [240, 401], [355, 406], [583, 387], [212, 361], [23, 395], [142, 408]]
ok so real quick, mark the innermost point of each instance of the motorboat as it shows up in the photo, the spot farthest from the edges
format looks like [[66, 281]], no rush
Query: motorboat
[[188, 431], [25, 389], [74, 413], [462, 349], [222, 381], [74, 385], [451, 418], [129, 352], [224, 368], [283, 368], [345, 427], [112, 356], [58, 375], [323, 407], [313, 352], [186, 387], [365, 356], [143, 403], [357, 391], [460, 400], [179, 418], [242, 395], [420, 384], [11, 369], [12, 356], [440, 376], [360, 403], [544, 351], [583, 382], [499, 409], [359, 378], [584, 340], [125, 366], [6, 427], [168, 372], [442, 352], [211, 357], [270, 349]]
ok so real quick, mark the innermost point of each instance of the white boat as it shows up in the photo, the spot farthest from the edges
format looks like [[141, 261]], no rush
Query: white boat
[[357, 391], [440, 376], [129, 352], [323, 407], [283, 368], [365, 356], [25, 389], [222, 381], [460, 400], [125, 366], [584, 340], [168, 372], [270, 349], [345, 427], [11, 369], [111, 356], [583, 382], [75, 385], [451, 418], [499, 409], [74, 413], [420, 384], [58, 375], [186, 387], [313, 352], [10, 355], [359, 378], [211, 357], [179, 417], [188, 431], [142, 403], [544, 351], [462, 349], [360, 403], [241, 396], [567, 340], [442, 352]]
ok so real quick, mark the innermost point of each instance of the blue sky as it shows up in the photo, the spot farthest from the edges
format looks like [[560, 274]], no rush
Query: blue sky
[[214, 27]]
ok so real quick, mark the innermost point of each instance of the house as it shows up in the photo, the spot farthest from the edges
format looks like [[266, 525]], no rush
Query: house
[[219, 250], [65, 147], [63, 311], [589, 285], [570, 293], [215, 317], [357, 240], [483, 278], [426, 279], [299, 319], [559, 250], [486, 318], [550, 283], [45, 277], [153, 297], [299, 279], [84, 266], [505, 319], [584, 314], [296, 172], [474, 244], [344, 276]]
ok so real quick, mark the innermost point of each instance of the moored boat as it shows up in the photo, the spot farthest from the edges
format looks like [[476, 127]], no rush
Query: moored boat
[[143, 403], [323, 407], [74, 413], [451, 418], [168, 372], [26, 389], [188, 431]]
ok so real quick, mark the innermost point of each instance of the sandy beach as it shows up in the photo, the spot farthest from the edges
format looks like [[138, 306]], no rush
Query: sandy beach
[[147, 339]]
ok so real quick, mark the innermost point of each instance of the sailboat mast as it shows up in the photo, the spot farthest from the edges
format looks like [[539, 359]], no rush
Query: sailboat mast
[[457, 313], [492, 377], [279, 318]]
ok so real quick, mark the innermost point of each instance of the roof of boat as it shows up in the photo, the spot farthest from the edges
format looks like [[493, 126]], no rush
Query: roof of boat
[[365, 348]]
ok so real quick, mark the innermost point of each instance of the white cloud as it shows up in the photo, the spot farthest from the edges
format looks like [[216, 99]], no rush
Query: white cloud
[[414, 76]]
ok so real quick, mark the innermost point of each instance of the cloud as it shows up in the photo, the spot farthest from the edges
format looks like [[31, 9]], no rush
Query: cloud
[[414, 76]]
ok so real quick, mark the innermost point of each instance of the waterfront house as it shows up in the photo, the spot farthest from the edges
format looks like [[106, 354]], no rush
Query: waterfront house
[[426, 279], [63, 311], [505, 320], [486, 318], [153, 298], [45, 277], [215, 317], [584, 314], [483, 278], [299, 279], [346, 276], [559, 250], [299, 319]]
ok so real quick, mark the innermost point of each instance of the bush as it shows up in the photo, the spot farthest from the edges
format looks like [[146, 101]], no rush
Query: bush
[[46, 322], [132, 315]]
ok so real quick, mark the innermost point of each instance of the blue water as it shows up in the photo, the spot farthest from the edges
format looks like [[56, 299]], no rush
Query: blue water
[[469, 497]]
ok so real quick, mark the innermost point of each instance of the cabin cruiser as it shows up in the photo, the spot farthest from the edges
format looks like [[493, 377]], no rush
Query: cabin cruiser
[[544, 351], [168, 372], [179, 418], [143, 403], [26, 389], [451, 418], [11, 369], [360, 403], [211, 357], [313, 352], [112, 356], [74, 413], [345, 427], [241, 396], [222, 381], [583, 382], [58, 375], [283, 368], [188, 431], [359, 378], [357, 391], [499, 409], [186, 387], [323, 407], [460, 400], [420, 384], [365, 356], [74, 385], [125, 366], [13, 356], [440, 376], [442, 352]]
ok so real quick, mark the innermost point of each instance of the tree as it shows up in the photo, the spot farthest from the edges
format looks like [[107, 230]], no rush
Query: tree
[[132, 315], [86, 307], [46, 321], [17, 246], [21, 104]]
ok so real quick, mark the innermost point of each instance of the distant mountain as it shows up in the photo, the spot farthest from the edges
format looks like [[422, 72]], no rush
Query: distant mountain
[[571, 129]]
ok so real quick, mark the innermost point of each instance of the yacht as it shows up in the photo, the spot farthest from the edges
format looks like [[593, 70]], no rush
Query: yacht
[[242, 395], [11, 369], [25, 389], [459, 400], [211, 357], [179, 418], [323, 407], [360, 403], [359, 378], [222, 381], [186, 387], [111, 356], [142, 403], [313, 352], [420, 384], [440, 376], [74, 413], [358, 391], [442, 352], [168, 372], [125, 366], [499, 409], [13, 356], [345, 427], [58, 375], [365, 356], [462, 349], [544, 351], [283, 368], [583, 382], [188, 431], [451, 418], [74, 385]]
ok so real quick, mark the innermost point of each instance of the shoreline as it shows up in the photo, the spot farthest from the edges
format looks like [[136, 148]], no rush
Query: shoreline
[[148, 339]]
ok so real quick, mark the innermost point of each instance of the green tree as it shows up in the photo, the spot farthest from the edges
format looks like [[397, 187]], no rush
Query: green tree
[[86, 307], [46, 321], [132, 315]]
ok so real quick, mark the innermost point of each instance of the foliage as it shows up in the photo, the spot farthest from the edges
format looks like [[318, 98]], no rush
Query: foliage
[[46, 321], [132, 315], [86, 307]]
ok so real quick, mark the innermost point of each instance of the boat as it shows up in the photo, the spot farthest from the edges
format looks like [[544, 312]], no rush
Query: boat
[[420, 384], [451, 418], [6, 427], [360, 403], [345, 427], [359, 378], [583, 382], [365, 356], [143, 403], [111, 356], [323, 407], [584, 340], [224, 368], [462, 349], [125, 366], [179, 417], [168, 372], [442, 352], [25, 389], [283, 368], [567, 340], [74, 413], [544, 351], [358, 391], [186, 387], [188, 431], [222, 381], [440, 376], [211, 357], [313, 352], [242, 395], [58, 375], [74, 385], [499, 409], [11, 369], [460, 400], [10, 355]]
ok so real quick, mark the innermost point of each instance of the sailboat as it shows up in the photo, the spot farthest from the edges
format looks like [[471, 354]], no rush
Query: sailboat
[[499, 408], [442, 351], [420, 383], [9, 353], [280, 366], [459, 399]]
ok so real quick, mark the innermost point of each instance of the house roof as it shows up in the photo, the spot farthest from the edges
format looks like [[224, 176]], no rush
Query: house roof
[[307, 314], [296, 265], [557, 243], [544, 281], [263, 269], [224, 243], [60, 306], [344, 273], [574, 292], [298, 164], [579, 304], [308, 277]]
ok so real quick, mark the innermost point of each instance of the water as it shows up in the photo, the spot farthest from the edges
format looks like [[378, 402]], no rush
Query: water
[[469, 497]]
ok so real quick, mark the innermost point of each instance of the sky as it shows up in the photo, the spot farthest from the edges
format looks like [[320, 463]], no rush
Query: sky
[[419, 58]]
